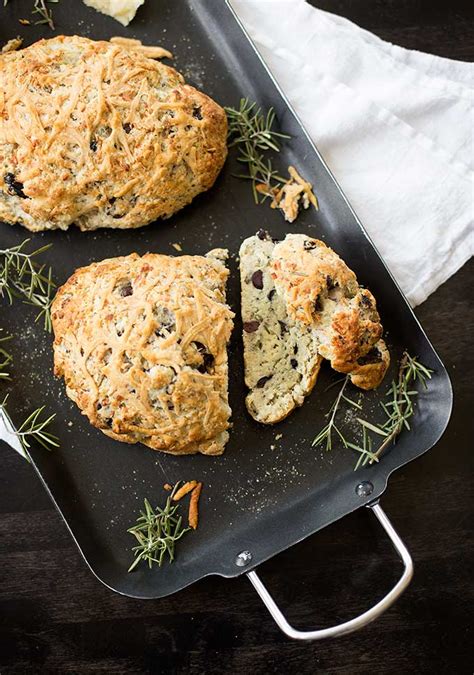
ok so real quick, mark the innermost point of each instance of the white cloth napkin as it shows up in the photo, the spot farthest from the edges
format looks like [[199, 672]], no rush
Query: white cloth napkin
[[395, 127]]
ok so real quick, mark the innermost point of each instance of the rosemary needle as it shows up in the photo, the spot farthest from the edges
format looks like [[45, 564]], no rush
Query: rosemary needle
[[40, 7], [5, 357], [399, 408], [46, 14]]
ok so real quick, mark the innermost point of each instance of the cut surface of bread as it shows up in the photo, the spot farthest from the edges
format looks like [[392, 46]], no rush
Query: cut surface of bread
[[141, 344], [281, 357], [98, 134], [300, 304]]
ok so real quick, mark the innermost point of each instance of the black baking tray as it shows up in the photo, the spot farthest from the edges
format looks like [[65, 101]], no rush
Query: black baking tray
[[267, 491]]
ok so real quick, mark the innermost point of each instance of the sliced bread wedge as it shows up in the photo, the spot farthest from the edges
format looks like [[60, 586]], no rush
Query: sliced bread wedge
[[300, 304], [320, 291], [281, 355]]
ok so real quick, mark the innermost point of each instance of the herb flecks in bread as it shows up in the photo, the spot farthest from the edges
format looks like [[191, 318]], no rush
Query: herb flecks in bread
[[300, 304], [141, 344], [281, 355], [101, 136]]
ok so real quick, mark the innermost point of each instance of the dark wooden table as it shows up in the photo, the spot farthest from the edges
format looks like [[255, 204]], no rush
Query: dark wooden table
[[56, 618]]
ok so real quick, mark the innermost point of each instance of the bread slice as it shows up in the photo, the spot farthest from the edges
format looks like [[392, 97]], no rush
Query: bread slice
[[300, 304], [320, 291], [281, 355]]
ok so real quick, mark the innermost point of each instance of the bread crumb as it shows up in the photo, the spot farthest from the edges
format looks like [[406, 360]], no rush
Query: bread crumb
[[177, 246], [272, 447], [137, 46], [278, 436], [167, 486], [296, 193], [12, 45], [184, 489], [193, 515]]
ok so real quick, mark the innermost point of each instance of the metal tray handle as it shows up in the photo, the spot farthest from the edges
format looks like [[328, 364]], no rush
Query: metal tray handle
[[359, 621]]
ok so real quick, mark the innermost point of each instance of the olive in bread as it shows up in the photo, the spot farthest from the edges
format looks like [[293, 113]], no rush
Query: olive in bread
[[141, 344], [300, 304], [320, 291], [281, 355], [98, 134]]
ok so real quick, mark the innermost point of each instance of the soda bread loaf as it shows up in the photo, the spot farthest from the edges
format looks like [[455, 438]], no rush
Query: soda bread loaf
[[281, 356], [100, 135], [301, 283], [141, 344]]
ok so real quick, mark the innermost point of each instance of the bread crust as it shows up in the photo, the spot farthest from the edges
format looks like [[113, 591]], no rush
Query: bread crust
[[141, 344], [98, 134], [321, 291]]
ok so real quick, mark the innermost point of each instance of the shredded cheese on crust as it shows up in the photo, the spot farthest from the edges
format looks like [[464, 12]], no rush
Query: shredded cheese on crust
[[101, 135], [141, 344]]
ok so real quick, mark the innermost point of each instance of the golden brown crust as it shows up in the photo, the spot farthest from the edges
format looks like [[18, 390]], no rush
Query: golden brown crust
[[100, 135], [370, 370], [321, 291], [141, 344]]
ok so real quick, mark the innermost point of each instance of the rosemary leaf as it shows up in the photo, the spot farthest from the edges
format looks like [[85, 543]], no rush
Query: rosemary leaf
[[351, 402], [372, 427], [40, 8], [33, 428], [5, 357], [399, 408]]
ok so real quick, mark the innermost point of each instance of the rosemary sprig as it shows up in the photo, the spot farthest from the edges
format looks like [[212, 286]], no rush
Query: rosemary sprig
[[5, 357], [249, 125], [326, 432], [45, 13], [22, 277], [260, 172], [252, 131], [40, 7], [33, 428], [157, 531], [399, 408]]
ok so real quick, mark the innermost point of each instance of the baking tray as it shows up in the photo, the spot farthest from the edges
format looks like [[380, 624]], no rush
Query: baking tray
[[266, 492]]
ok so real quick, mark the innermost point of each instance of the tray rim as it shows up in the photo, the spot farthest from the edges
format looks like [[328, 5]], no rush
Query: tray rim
[[383, 475]]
